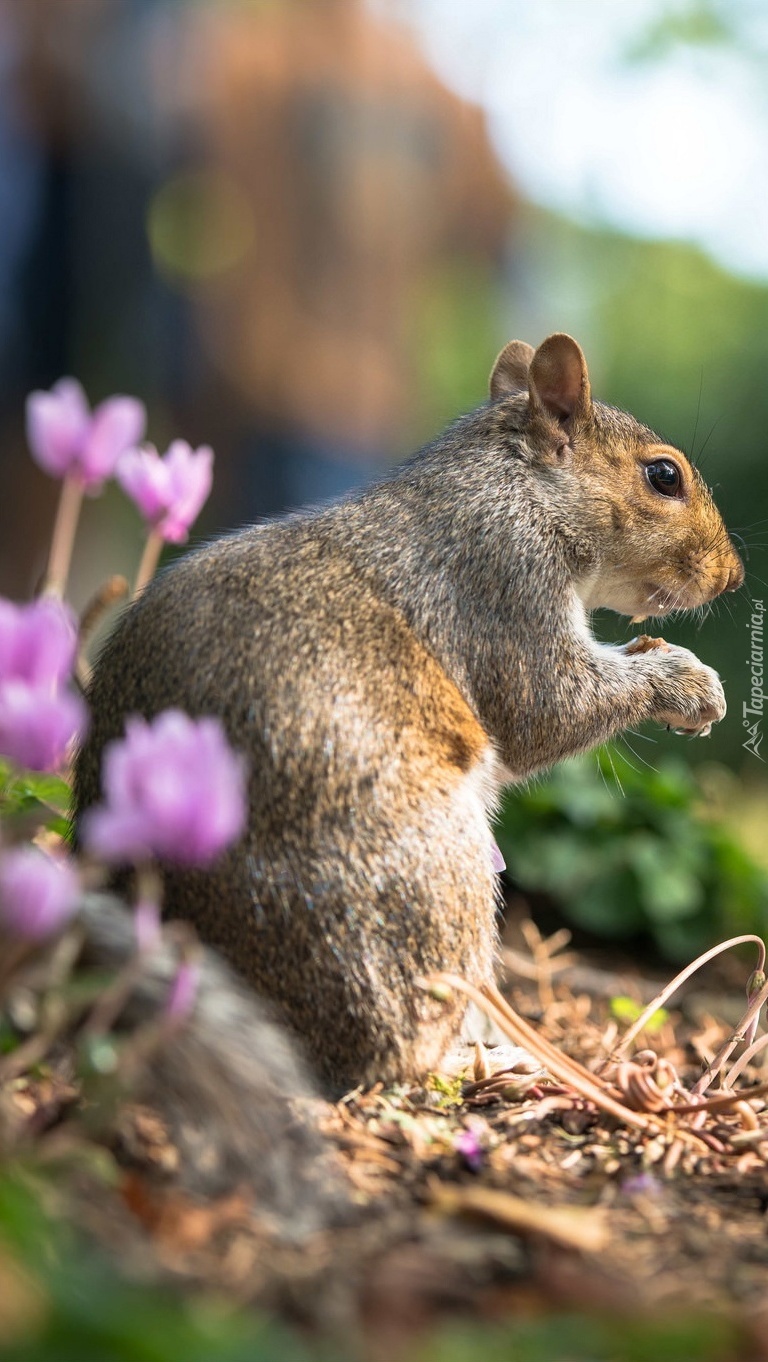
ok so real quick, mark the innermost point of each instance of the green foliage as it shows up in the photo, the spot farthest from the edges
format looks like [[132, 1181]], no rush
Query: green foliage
[[83, 1312], [627, 1011], [626, 851], [36, 798], [453, 329], [699, 24], [584, 1338], [447, 1091]]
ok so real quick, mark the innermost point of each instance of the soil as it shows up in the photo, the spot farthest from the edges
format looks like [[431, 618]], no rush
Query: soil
[[487, 1197], [496, 1191]]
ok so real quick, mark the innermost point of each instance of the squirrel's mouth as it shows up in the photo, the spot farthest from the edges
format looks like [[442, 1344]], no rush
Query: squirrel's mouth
[[659, 600]]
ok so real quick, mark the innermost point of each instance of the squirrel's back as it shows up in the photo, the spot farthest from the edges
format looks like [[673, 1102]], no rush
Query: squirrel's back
[[354, 736]]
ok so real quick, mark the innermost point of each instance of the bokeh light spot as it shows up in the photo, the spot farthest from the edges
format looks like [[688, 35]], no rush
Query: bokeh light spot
[[199, 225]]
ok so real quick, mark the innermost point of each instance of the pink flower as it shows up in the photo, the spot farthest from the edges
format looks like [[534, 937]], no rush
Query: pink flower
[[171, 490], [173, 789], [37, 642], [68, 440], [467, 1143], [37, 724], [642, 1185], [38, 719], [38, 895]]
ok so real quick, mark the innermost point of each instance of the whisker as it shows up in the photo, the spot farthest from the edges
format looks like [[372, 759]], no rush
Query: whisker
[[601, 772], [637, 733], [609, 755], [720, 418], [635, 754]]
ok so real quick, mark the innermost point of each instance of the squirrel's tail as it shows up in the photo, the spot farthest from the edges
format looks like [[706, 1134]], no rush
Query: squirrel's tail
[[227, 1079]]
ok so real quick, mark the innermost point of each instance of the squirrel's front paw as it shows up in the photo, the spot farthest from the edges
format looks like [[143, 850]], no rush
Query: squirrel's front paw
[[688, 696]]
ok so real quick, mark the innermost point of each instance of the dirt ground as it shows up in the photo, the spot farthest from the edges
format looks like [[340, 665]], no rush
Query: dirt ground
[[496, 1192]]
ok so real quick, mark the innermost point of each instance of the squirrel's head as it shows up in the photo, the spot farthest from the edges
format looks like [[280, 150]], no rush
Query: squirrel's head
[[650, 537]]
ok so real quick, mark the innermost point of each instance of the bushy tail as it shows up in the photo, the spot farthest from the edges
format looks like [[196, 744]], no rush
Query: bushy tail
[[228, 1079]]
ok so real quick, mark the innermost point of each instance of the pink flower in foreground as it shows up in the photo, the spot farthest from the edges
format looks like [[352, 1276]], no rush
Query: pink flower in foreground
[[68, 440], [169, 491], [38, 719], [37, 642], [38, 895], [37, 725], [173, 788]]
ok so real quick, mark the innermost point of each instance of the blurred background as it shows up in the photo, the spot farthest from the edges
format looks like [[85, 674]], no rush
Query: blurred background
[[301, 229]]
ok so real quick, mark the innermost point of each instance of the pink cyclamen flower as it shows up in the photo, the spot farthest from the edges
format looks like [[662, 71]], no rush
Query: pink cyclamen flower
[[37, 642], [169, 491], [38, 718], [38, 894], [38, 725], [67, 439], [173, 789], [467, 1143]]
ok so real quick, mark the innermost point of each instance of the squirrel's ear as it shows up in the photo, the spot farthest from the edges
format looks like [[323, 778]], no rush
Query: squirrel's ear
[[558, 380], [509, 374]]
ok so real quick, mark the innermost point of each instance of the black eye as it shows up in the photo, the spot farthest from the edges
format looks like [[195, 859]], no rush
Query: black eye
[[664, 477]]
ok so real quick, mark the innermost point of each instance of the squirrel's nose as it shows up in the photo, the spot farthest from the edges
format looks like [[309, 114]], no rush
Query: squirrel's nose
[[735, 575]]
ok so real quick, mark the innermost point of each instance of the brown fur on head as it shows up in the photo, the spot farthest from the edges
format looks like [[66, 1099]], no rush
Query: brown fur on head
[[657, 540]]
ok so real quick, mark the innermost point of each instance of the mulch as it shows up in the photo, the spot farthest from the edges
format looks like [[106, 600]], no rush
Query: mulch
[[487, 1194]]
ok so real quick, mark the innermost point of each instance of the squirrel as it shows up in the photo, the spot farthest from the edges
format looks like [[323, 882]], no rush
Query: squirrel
[[387, 663]]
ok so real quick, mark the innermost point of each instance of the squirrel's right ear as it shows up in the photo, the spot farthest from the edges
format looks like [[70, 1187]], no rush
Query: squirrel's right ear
[[558, 380], [509, 374]]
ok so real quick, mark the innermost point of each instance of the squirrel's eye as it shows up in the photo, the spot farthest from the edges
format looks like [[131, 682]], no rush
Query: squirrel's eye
[[664, 477]]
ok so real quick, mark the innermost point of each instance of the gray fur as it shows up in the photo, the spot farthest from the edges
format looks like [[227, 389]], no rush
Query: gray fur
[[199, 1072]]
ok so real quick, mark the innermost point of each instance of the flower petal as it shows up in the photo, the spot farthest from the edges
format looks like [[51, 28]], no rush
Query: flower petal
[[168, 491], [37, 641], [143, 476], [173, 789], [191, 478], [38, 893], [36, 727], [57, 426], [117, 424]]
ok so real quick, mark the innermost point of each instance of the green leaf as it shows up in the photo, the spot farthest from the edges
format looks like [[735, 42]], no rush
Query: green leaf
[[46, 788], [629, 1009], [609, 906]]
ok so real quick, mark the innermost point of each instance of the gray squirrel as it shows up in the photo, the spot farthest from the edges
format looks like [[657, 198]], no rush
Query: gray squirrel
[[388, 663]]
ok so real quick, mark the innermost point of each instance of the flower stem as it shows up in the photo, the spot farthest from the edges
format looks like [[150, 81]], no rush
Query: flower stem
[[149, 561], [744, 1059], [63, 539], [679, 979], [717, 1065]]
